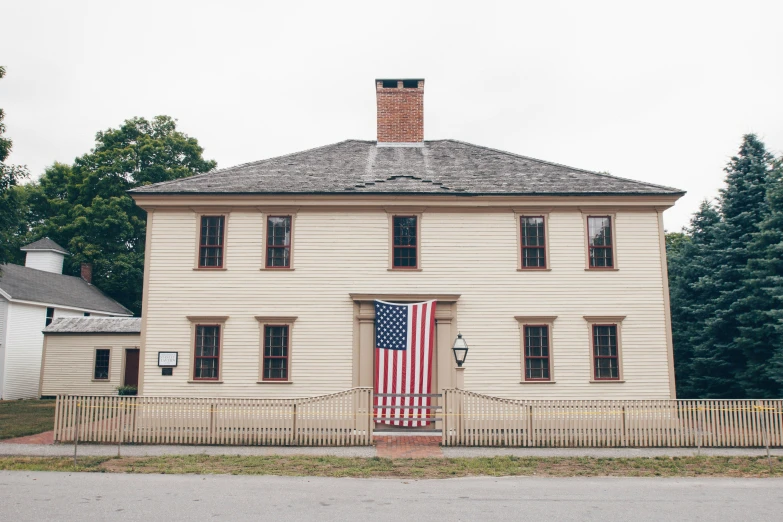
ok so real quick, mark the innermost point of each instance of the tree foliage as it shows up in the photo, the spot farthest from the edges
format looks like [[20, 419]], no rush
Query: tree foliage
[[86, 208], [11, 200], [723, 283]]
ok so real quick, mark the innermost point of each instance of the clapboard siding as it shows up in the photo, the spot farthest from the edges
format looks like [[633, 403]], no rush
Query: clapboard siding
[[23, 352], [68, 367], [3, 331], [472, 254]]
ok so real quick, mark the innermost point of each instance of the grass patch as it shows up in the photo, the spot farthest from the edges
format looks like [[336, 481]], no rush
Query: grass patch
[[412, 468], [28, 417]]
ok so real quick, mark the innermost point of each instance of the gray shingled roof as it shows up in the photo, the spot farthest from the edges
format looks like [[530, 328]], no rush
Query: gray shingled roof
[[439, 167], [28, 284], [95, 325], [44, 244]]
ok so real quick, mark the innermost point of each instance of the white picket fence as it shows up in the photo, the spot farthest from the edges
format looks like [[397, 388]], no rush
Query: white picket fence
[[339, 419], [472, 419]]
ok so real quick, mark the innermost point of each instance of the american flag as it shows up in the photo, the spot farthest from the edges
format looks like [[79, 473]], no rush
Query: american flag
[[403, 360]]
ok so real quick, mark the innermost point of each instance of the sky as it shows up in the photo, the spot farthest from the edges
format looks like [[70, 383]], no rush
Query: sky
[[656, 91]]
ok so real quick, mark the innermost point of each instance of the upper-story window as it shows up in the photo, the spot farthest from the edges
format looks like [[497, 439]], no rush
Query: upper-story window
[[278, 242], [211, 242], [600, 242], [405, 244], [49, 316], [533, 239]]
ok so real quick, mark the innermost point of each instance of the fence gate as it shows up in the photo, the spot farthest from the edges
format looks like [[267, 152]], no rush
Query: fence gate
[[415, 408]]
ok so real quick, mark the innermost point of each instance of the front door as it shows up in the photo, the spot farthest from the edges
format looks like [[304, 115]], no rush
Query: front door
[[131, 367]]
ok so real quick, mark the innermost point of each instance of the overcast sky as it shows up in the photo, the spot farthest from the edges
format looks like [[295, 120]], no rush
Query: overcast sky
[[660, 92]]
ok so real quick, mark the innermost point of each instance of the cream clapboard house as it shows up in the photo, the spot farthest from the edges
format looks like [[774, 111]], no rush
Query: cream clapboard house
[[31, 298], [261, 277]]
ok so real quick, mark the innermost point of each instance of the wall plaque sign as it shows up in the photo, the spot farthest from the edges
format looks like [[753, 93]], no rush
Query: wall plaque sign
[[168, 359]]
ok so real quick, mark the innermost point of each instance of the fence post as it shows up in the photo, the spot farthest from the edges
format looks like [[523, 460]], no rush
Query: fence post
[[76, 432], [698, 429], [765, 434], [625, 431], [294, 437], [120, 424], [211, 423]]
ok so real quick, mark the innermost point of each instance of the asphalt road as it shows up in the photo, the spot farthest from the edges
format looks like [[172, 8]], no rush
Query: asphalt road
[[93, 496]]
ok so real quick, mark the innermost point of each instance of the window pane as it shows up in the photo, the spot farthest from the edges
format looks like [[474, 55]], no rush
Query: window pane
[[278, 241], [536, 352], [275, 352], [211, 241], [101, 364], [605, 356], [600, 231], [207, 352]]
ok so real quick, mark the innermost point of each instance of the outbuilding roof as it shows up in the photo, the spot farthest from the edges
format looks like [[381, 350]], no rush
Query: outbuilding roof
[[94, 325], [44, 244], [447, 167], [28, 284]]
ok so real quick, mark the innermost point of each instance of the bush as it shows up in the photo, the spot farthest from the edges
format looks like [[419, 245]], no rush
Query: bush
[[126, 390]]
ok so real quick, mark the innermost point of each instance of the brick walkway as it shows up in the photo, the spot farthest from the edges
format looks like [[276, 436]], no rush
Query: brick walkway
[[408, 447], [46, 437]]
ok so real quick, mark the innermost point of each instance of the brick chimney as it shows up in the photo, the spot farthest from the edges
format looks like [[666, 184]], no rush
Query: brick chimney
[[87, 272], [400, 112]]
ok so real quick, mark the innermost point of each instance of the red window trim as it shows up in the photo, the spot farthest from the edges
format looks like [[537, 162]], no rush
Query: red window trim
[[617, 349], [197, 357], [522, 246], [526, 357], [264, 357], [222, 246], [395, 247], [589, 247], [286, 246]]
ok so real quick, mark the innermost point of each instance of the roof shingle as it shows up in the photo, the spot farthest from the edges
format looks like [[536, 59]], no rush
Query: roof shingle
[[439, 167], [129, 325], [28, 284]]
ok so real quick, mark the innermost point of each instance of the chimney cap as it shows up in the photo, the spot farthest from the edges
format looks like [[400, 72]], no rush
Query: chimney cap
[[399, 79]]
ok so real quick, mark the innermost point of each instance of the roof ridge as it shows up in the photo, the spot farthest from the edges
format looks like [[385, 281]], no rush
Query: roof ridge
[[545, 162], [246, 164]]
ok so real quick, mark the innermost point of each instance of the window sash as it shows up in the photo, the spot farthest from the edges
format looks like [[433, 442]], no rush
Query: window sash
[[405, 242], [533, 240], [211, 242], [206, 353], [101, 366], [600, 241], [537, 353], [606, 355], [49, 316], [275, 363], [278, 242]]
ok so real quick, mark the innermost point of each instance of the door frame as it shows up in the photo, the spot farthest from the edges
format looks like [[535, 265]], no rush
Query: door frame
[[444, 375], [124, 357]]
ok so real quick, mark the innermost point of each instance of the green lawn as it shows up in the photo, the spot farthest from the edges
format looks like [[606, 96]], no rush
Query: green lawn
[[20, 418], [310, 466]]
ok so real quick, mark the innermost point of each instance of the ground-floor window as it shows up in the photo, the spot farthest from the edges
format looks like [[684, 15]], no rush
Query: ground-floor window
[[206, 361], [537, 353], [606, 358], [276, 338], [101, 366]]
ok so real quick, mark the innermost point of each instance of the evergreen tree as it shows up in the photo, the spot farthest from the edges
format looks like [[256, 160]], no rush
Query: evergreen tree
[[725, 358], [762, 327], [690, 261]]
